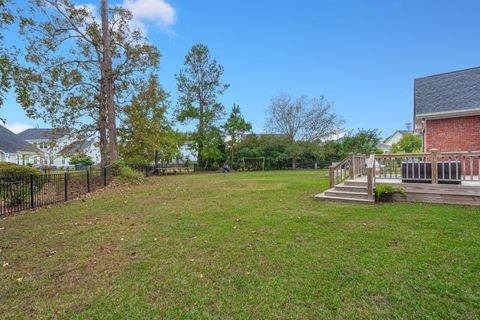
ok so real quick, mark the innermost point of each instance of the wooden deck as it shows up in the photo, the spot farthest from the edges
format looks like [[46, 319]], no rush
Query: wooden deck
[[468, 192], [355, 178]]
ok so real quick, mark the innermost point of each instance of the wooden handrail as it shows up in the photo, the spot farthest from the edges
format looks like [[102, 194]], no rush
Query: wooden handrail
[[341, 163], [426, 154], [403, 155], [460, 153], [443, 166]]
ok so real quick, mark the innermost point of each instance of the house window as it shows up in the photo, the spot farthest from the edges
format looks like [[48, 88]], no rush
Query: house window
[[63, 160]]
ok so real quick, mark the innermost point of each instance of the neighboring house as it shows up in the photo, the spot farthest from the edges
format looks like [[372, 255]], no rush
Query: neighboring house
[[88, 148], [395, 137], [58, 147], [385, 147], [186, 152], [387, 143], [16, 150], [447, 110]]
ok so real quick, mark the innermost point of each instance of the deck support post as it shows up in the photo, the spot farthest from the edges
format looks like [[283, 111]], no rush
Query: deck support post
[[331, 177], [370, 183], [434, 166], [352, 166]]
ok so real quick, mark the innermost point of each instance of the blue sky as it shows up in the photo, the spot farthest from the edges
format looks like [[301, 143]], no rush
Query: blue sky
[[362, 55]]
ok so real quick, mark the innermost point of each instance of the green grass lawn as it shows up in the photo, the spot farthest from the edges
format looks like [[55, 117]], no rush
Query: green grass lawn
[[239, 246]]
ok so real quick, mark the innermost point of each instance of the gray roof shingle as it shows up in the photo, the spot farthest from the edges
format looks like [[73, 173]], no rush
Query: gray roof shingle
[[77, 147], [12, 143], [453, 91], [42, 134]]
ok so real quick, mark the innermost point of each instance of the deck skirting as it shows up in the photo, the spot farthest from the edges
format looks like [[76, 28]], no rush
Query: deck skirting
[[436, 193]]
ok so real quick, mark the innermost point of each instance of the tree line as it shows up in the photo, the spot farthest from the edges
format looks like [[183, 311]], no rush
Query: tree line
[[92, 72]]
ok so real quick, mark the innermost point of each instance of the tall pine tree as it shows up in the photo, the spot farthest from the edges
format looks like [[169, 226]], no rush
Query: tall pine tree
[[199, 84]]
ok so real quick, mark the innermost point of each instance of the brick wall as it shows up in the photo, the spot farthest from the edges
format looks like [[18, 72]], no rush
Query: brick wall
[[454, 134]]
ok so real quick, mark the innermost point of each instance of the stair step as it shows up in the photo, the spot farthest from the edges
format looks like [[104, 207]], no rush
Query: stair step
[[324, 197], [346, 194], [342, 187], [358, 183]]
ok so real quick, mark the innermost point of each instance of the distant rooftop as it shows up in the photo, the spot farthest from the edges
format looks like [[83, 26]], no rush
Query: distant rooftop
[[12, 143], [77, 147], [447, 92], [42, 134], [398, 131]]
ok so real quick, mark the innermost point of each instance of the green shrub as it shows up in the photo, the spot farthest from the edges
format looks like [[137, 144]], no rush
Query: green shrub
[[18, 171], [385, 189], [4, 164], [117, 167], [15, 188], [136, 162], [127, 174], [82, 160]]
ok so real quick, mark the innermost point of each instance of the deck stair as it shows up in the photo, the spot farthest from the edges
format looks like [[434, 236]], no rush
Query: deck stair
[[348, 191]]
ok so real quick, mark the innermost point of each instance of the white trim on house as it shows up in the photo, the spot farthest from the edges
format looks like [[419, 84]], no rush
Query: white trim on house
[[444, 115], [450, 114], [420, 118]]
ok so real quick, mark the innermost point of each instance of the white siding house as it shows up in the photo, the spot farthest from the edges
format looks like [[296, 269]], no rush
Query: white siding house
[[16, 150], [395, 137], [58, 147]]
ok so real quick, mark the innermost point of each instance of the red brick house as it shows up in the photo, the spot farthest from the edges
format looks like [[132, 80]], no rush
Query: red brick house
[[447, 110]]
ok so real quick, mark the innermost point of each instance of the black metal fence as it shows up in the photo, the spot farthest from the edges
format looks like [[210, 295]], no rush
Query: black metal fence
[[30, 192]]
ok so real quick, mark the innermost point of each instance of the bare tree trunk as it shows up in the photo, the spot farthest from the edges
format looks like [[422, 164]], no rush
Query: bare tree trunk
[[201, 133], [102, 129], [294, 163], [108, 84]]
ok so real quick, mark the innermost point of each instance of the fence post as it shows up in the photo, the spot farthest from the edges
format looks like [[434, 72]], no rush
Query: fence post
[[105, 177], [66, 186], [156, 172], [434, 166], [88, 180], [32, 200]]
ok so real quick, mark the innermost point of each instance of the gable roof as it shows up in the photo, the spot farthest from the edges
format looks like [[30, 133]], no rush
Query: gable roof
[[42, 134], [447, 92], [383, 145], [393, 134], [77, 147], [12, 143]]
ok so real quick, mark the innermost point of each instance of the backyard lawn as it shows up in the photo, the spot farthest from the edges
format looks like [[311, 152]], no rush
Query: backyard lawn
[[239, 246]]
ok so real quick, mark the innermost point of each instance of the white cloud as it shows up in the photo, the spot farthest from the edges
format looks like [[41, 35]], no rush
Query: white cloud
[[17, 127], [158, 12]]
